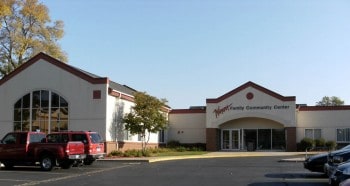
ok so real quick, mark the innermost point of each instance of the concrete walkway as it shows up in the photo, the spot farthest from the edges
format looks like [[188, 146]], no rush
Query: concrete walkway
[[300, 156]]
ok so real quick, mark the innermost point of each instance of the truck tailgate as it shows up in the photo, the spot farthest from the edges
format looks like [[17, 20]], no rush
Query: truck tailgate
[[75, 147]]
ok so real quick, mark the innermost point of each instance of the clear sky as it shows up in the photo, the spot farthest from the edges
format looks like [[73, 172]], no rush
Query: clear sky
[[190, 50]]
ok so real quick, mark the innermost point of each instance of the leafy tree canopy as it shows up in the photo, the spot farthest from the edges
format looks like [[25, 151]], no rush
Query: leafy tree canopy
[[330, 101], [25, 30], [145, 116]]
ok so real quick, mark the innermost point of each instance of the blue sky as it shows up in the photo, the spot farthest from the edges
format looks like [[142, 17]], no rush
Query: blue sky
[[190, 50]]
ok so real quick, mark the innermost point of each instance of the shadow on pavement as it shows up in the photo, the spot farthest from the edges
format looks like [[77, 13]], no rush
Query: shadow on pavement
[[296, 175]]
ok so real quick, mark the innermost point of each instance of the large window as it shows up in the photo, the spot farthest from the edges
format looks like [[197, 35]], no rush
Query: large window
[[313, 133], [41, 110], [343, 135]]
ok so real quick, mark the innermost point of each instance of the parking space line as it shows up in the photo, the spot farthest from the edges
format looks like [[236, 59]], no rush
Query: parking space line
[[325, 180], [14, 180], [71, 176]]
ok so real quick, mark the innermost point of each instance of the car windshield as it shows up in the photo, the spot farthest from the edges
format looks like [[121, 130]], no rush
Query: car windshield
[[346, 147], [95, 138]]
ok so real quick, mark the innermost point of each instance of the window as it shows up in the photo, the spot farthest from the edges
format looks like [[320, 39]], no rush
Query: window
[[10, 139], [161, 136], [41, 110], [80, 137], [343, 135], [313, 133]]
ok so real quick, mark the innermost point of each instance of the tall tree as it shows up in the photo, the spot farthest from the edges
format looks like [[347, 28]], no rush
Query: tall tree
[[330, 101], [25, 30], [145, 117]]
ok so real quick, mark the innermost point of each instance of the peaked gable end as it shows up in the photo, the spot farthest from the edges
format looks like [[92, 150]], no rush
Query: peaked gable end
[[77, 72], [253, 85]]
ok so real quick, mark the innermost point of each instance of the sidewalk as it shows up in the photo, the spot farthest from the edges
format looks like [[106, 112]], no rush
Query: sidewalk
[[300, 156]]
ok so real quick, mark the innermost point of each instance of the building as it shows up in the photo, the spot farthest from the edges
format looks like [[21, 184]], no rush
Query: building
[[252, 117], [48, 95]]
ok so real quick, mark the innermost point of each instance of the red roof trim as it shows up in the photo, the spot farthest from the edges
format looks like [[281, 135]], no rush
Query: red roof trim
[[57, 63], [126, 97], [324, 108], [120, 95], [250, 84], [187, 111]]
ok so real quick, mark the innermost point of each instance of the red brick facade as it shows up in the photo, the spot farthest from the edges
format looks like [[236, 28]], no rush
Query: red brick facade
[[213, 139], [291, 134], [123, 146]]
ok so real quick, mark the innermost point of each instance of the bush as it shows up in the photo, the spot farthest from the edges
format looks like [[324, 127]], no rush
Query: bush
[[173, 144], [306, 144], [132, 153], [320, 142], [331, 145], [181, 149], [116, 153]]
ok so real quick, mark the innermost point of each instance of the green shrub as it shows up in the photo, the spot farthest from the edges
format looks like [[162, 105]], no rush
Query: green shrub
[[181, 149], [173, 144], [306, 144], [131, 153], [331, 145], [320, 142], [116, 153]]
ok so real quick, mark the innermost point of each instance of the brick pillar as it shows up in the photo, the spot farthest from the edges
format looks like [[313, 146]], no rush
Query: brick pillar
[[291, 141], [212, 139]]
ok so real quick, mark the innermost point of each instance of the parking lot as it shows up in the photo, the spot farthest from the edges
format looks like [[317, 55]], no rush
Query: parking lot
[[252, 171]]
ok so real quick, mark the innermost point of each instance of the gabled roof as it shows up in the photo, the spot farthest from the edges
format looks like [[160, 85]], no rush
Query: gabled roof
[[73, 70], [253, 85], [87, 76]]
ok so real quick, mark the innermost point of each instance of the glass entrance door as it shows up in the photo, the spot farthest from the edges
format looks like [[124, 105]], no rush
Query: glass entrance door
[[230, 139], [235, 139]]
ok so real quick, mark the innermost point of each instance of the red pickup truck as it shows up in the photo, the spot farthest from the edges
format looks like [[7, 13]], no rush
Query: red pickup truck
[[31, 148], [93, 143]]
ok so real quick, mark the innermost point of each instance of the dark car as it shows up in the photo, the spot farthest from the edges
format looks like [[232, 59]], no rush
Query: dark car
[[317, 162], [341, 173], [335, 158]]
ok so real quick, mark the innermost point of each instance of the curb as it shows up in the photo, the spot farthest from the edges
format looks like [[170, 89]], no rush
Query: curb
[[213, 155]]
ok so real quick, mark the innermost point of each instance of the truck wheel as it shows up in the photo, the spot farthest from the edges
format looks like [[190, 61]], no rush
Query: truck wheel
[[46, 163]]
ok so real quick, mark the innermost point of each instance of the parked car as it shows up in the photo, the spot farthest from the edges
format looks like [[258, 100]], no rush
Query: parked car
[[340, 174], [93, 143], [335, 158], [316, 163], [345, 183], [31, 148]]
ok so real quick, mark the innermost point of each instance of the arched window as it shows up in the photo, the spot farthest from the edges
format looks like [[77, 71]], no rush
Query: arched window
[[41, 110]]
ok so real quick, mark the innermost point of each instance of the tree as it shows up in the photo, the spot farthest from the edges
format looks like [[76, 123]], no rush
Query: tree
[[330, 101], [145, 116], [25, 30]]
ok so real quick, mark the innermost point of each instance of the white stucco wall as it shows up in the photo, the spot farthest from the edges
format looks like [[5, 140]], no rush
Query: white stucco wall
[[187, 128], [85, 113], [238, 106], [326, 120], [116, 109]]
